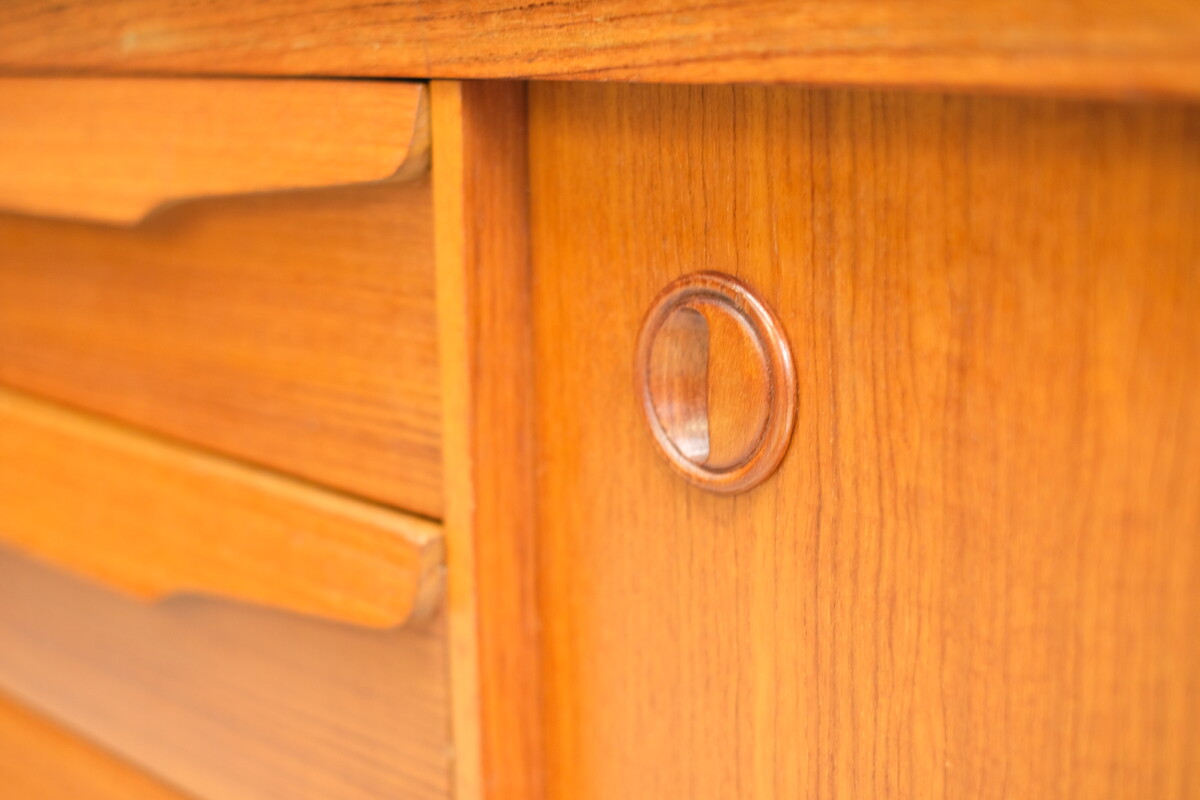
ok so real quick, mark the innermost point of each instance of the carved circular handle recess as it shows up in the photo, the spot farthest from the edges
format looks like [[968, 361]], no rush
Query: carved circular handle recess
[[716, 381]]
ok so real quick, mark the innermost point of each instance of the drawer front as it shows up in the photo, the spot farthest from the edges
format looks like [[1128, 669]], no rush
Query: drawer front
[[155, 519], [230, 702], [291, 330], [114, 149], [973, 574], [228, 408]]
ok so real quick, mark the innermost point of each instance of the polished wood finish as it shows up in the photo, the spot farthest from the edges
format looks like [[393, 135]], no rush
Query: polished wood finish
[[1108, 46], [296, 331], [229, 702], [112, 149], [481, 192], [974, 573], [40, 761], [154, 519], [671, 375], [715, 377]]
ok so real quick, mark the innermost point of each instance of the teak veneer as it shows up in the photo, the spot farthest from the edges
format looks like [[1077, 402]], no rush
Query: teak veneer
[[905, 505], [1109, 47], [41, 761], [296, 331], [224, 701], [155, 519], [974, 573], [113, 149]]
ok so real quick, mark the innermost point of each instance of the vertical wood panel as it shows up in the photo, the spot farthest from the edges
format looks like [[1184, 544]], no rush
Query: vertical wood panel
[[973, 575], [484, 327]]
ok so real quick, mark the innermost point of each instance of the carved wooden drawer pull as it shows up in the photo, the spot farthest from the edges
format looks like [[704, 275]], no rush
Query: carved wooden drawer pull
[[716, 381], [112, 149], [155, 518]]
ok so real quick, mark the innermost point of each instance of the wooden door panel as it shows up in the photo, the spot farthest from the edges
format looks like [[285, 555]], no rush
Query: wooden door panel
[[973, 574]]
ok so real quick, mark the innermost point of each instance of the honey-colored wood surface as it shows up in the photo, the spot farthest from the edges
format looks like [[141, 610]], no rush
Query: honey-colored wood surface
[[230, 702], [41, 761], [481, 199], [974, 574], [153, 518], [1079, 45], [112, 149], [295, 331]]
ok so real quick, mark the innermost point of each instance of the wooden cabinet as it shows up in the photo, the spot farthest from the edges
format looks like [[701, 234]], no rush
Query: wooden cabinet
[[336, 460]]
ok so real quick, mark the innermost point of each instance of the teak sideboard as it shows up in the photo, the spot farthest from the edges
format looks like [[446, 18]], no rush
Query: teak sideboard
[[599, 400]]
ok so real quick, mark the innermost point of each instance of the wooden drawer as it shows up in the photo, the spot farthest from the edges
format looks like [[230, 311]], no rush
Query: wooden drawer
[[155, 518], [291, 330], [227, 702], [222, 397]]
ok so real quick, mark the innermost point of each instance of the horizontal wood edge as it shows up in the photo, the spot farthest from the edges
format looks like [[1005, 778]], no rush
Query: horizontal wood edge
[[1093, 47], [154, 518]]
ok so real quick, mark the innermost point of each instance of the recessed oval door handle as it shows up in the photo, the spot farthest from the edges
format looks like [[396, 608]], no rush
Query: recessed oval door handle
[[716, 381]]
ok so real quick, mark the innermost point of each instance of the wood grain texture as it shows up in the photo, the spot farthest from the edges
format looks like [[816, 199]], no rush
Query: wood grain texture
[[41, 761], [296, 331], [974, 573], [231, 702], [1106, 46], [153, 519], [113, 149], [481, 196]]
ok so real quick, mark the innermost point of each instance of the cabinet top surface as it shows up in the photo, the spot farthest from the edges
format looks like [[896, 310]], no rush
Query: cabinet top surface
[[1091, 47]]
